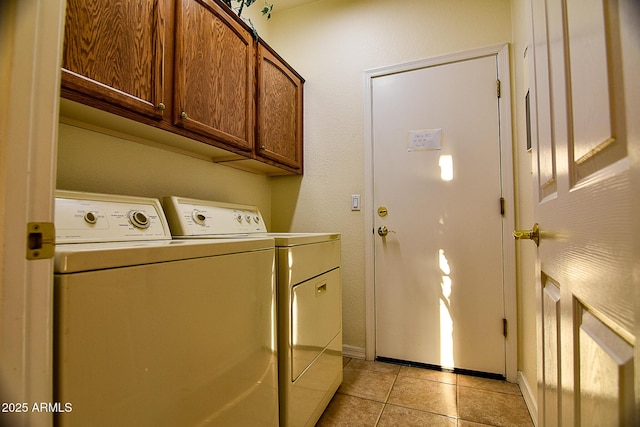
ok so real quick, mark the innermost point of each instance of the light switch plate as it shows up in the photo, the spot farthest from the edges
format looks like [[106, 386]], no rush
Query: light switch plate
[[355, 202]]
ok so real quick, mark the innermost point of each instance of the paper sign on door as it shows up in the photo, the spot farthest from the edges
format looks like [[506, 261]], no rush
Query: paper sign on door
[[424, 139]]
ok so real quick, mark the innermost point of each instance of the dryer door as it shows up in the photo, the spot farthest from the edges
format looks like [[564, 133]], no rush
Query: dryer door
[[315, 318]]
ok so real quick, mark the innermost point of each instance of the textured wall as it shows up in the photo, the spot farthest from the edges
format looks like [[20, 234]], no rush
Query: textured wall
[[98, 162], [331, 43]]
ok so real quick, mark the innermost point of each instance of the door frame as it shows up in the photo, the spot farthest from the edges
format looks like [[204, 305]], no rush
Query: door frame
[[506, 154], [32, 40]]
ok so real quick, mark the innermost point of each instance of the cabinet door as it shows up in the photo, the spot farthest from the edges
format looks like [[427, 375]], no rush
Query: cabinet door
[[279, 111], [214, 74], [114, 52]]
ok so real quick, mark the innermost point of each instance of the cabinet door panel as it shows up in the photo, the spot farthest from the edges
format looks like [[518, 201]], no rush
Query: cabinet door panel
[[279, 111], [214, 80], [114, 52]]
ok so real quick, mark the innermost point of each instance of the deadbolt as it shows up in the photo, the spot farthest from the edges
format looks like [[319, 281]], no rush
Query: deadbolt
[[382, 211]]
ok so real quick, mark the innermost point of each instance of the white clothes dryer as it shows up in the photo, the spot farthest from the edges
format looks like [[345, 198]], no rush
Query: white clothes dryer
[[155, 332], [309, 300]]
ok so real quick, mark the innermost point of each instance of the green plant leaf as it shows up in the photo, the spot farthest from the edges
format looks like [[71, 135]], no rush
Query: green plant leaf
[[266, 10]]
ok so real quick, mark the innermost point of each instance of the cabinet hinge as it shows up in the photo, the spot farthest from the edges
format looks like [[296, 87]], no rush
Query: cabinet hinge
[[41, 237], [502, 206], [498, 88], [504, 327]]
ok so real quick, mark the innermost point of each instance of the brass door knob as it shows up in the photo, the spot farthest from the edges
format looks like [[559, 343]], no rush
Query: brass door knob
[[533, 234], [383, 231]]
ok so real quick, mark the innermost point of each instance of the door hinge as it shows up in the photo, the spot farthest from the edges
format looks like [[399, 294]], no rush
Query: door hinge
[[41, 237], [498, 88], [504, 327], [502, 206]]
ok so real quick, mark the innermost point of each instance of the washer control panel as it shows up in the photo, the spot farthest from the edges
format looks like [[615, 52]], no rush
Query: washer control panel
[[92, 217], [190, 217]]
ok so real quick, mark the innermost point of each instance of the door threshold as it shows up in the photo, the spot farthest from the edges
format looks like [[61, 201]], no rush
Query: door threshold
[[431, 367]]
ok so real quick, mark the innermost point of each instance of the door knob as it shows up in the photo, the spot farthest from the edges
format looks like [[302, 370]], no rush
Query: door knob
[[533, 234], [383, 231]]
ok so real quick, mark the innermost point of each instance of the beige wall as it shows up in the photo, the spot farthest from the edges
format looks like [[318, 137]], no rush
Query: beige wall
[[94, 161]]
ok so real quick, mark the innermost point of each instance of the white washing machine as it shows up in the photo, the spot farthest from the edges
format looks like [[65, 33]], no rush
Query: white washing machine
[[309, 300], [155, 332]]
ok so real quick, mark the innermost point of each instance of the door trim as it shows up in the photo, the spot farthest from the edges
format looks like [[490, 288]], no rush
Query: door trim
[[502, 54], [28, 134]]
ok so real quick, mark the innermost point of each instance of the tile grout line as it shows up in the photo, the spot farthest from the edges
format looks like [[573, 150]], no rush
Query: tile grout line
[[386, 399], [457, 399]]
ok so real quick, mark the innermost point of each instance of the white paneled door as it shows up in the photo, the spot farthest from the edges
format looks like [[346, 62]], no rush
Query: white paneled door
[[586, 146], [438, 221]]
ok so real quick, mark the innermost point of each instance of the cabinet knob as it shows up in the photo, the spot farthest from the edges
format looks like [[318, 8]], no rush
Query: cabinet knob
[[183, 115], [161, 106], [263, 147]]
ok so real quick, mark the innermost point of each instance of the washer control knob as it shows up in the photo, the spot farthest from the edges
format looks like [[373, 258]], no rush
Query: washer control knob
[[139, 219], [90, 218], [239, 218], [198, 217], [248, 219], [256, 219]]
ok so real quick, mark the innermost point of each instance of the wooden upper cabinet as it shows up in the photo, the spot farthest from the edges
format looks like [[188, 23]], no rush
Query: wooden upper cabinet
[[228, 90], [114, 53], [279, 111], [214, 74]]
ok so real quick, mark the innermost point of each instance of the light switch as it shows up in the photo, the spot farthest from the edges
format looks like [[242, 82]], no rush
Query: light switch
[[355, 202]]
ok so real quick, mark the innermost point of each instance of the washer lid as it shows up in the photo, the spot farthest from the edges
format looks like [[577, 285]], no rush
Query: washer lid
[[73, 258], [295, 239]]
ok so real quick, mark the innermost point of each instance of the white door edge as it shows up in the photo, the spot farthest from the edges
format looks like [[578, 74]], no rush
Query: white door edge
[[32, 41], [502, 54]]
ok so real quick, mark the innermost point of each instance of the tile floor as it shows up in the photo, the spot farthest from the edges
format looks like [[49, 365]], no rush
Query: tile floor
[[382, 394]]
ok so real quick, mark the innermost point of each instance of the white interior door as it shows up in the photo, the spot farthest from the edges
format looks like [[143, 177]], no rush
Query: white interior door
[[586, 143], [437, 187]]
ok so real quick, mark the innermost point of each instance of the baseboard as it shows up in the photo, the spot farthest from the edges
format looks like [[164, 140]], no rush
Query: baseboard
[[353, 352], [532, 404]]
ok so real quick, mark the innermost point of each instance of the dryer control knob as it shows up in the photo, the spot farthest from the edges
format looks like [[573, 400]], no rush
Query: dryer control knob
[[90, 218], [198, 217], [239, 217], [139, 219]]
